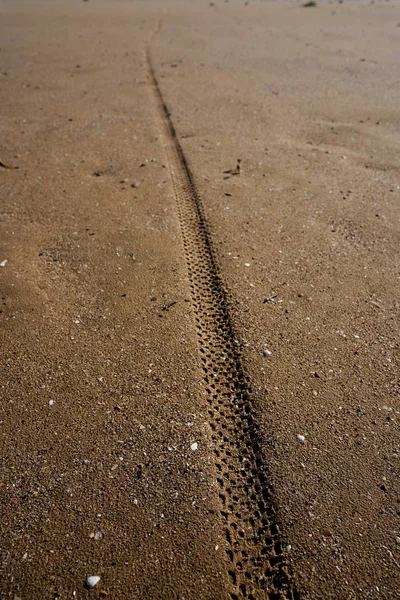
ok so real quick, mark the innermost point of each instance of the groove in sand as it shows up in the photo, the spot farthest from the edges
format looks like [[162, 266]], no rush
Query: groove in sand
[[259, 568]]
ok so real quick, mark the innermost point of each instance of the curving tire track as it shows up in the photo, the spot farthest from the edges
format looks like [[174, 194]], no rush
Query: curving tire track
[[258, 566]]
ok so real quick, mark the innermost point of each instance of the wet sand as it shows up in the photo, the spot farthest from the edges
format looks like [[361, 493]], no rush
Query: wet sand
[[199, 321]]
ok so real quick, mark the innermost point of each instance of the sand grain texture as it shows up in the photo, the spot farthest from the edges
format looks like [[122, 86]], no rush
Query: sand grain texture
[[134, 317]]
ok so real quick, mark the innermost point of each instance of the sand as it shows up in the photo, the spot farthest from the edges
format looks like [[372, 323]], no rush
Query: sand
[[199, 321]]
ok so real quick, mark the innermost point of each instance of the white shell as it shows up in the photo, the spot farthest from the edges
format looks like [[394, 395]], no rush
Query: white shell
[[92, 581]]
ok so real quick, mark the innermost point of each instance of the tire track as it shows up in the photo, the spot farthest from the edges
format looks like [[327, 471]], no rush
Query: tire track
[[258, 566]]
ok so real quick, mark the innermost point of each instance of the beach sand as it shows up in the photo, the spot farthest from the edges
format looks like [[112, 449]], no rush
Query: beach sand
[[199, 249]]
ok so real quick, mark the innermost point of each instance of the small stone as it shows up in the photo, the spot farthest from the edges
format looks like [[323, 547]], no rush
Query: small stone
[[288, 548], [301, 438], [267, 353], [3, 263], [51, 402], [98, 535], [193, 446], [92, 581]]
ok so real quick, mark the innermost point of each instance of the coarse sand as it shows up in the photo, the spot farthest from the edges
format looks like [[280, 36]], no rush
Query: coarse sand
[[199, 273]]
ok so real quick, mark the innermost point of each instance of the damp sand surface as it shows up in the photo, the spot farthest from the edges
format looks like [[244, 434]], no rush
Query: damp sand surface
[[199, 272]]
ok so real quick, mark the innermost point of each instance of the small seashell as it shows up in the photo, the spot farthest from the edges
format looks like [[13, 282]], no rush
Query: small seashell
[[92, 581]]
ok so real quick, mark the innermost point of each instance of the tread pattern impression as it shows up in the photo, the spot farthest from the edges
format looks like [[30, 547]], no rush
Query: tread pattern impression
[[258, 565]]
